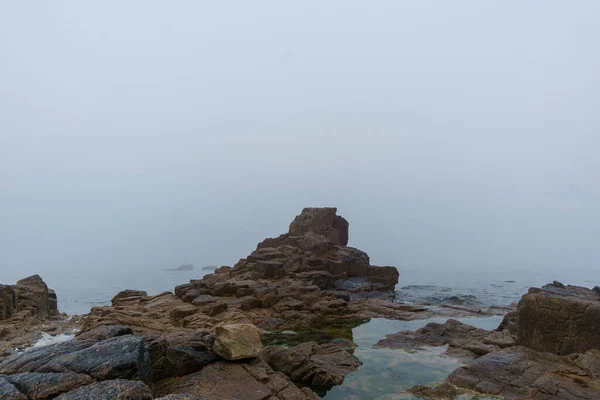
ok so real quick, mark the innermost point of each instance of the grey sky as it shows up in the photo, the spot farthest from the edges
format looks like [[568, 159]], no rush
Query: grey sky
[[146, 134]]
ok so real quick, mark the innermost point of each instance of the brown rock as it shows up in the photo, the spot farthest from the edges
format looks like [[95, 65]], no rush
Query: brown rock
[[321, 221], [305, 277], [233, 381], [127, 295], [559, 319]]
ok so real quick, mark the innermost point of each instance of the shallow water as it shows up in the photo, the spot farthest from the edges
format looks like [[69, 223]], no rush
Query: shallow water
[[386, 373]]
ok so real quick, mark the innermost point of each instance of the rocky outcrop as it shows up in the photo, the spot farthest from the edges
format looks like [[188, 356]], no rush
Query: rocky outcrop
[[236, 342], [558, 319], [321, 221], [304, 277], [29, 297], [180, 354], [27, 309], [309, 363]]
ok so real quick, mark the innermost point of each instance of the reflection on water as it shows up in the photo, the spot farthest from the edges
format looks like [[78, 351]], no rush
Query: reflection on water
[[385, 373]]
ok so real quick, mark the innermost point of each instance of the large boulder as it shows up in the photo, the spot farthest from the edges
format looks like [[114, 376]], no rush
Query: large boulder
[[181, 354], [29, 297], [558, 319], [236, 342]]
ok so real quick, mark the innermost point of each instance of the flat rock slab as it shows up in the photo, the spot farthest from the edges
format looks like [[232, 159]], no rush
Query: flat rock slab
[[110, 390]]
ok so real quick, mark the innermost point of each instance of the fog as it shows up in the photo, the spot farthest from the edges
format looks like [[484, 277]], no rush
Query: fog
[[141, 135]]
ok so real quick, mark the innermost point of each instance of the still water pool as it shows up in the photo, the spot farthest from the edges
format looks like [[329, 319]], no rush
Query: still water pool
[[386, 373]]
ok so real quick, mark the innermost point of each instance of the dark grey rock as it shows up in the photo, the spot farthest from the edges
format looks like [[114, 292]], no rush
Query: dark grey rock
[[180, 355], [8, 391], [122, 357], [33, 359], [41, 386]]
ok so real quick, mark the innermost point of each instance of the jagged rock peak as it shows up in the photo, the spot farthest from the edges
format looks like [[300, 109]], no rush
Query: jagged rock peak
[[321, 221]]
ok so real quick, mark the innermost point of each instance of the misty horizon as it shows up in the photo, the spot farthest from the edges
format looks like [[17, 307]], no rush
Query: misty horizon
[[452, 136]]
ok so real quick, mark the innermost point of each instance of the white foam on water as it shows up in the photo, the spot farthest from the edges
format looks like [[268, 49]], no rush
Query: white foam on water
[[48, 339]]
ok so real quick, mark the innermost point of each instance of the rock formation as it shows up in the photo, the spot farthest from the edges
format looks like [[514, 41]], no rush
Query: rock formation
[[29, 297], [26, 309], [558, 319], [304, 277]]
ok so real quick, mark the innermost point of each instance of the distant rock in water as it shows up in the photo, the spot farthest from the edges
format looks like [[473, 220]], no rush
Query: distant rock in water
[[209, 268], [184, 267]]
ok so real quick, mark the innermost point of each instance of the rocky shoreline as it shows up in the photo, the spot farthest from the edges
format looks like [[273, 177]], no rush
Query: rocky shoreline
[[237, 333]]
